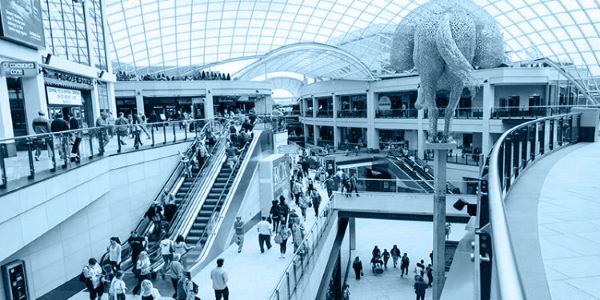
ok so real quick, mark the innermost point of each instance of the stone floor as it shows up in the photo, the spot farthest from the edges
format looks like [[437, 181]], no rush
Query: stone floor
[[569, 225], [414, 238]]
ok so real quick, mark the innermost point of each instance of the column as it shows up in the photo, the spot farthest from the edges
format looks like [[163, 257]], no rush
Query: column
[[352, 225], [316, 134], [209, 106], [112, 102], [420, 134], [315, 107], [34, 92], [96, 105], [336, 137], [488, 104], [372, 136], [139, 101], [546, 144], [555, 135], [6, 128]]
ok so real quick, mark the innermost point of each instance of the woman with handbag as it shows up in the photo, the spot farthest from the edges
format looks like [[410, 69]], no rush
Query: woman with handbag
[[283, 233], [357, 266], [143, 270]]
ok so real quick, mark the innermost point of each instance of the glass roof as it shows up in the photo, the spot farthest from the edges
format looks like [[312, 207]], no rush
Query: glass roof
[[174, 35]]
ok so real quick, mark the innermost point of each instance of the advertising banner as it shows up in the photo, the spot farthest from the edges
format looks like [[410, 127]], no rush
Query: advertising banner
[[21, 22], [58, 96], [281, 176]]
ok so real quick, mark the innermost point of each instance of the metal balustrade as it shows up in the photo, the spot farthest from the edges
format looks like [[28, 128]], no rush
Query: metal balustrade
[[514, 151]]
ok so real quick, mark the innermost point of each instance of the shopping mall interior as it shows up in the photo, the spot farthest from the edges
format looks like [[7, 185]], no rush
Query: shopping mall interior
[[287, 149]]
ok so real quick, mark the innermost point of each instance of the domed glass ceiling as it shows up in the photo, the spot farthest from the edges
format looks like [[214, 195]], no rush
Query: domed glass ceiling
[[173, 35]]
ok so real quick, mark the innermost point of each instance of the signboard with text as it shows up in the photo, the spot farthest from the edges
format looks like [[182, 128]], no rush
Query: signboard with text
[[19, 69], [281, 176], [58, 96], [21, 22]]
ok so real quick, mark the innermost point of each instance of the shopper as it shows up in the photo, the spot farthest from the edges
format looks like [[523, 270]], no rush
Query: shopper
[[420, 268], [429, 272], [117, 288], [395, 252], [180, 247], [303, 204], [297, 234], [297, 190], [386, 257], [92, 278], [283, 233], [41, 125], [73, 125], [143, 270], [219, 281], [175, 272], [316, 201], [239, 233], [357, 266], [376, 251], [353, 183], [404, 263], [166, 251], [114, 253], [121, 128], [102, 131], [136, 130], [275, 214], [284, 208], [57, 126], [186, 288], [264, 234], [137, 245], [149, 292], [420, 288]]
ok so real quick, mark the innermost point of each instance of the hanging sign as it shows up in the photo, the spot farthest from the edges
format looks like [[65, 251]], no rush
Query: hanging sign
[[384, 103], [19, 69], [58, 96]]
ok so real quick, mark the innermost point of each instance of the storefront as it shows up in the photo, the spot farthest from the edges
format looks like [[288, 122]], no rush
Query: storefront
[[237, 104], [126, 106], [166, 108], [67, 93]]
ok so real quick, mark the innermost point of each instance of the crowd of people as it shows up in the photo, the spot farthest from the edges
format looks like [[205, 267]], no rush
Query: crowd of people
[[379, 264], [195, 75]]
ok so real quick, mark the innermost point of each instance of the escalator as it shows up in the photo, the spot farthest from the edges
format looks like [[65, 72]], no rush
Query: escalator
[[422, 175], [212, 204]]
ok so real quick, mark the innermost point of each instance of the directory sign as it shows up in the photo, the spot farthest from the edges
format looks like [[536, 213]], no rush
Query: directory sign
[[58, 96], [15, 281], [21, 21], [19, 69]]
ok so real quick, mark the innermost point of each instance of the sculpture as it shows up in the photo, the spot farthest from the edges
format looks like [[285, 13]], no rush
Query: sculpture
[[445, 40]]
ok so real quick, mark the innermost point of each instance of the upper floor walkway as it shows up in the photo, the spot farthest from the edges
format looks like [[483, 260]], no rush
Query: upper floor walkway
[[553, 221]]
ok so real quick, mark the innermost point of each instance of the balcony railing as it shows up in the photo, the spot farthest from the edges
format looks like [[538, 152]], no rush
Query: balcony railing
[[397, 114], [465, 158], [359, 113], [513, 152], [528, 112], [325, 113]]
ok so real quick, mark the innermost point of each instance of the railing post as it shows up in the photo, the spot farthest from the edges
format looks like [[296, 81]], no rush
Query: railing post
[[164, 126], [91, 142], [51, 141], [30, 156], [287, 277], [118, 141], [175, 134], [3, 154], [64, 141], [152, 131]]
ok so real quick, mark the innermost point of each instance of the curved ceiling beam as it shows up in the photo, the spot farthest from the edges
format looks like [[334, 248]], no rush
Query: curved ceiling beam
[[343, 55]]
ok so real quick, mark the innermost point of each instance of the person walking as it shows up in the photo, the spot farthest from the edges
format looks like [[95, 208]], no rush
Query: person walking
[[283, 233], [121, 128], [73, 125], [92, 278], [186, 289], [239, 233], [297, 190], [166, 251], [117, 288], [180, 247], [264, 234], [219, 281], [284, 208], [275, 214], [114, 253], [297, 234], [143, 270], [303, 204], [41, 125], [376, 251], [386, 257], [420, 268], [429, 272], [102, 131], [420, 288], [136, 130], [175, 273], [149, 292], [316, 201], [357, 266], [404, 263], [395, 252], [353, 184], [59, 125]]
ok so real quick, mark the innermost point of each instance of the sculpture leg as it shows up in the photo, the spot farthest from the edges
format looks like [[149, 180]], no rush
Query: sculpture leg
[[433, 121], [454, 97]]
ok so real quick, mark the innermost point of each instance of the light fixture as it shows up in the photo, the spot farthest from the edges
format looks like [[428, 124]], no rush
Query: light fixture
[[460, 205], [47, 60], [101, 74]]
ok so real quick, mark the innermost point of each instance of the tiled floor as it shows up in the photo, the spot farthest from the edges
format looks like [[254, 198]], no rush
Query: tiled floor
[[414, 238], [569, 226]]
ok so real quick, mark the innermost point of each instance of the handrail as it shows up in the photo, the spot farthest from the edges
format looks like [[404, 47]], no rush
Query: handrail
[[510, 285], [304, 250]]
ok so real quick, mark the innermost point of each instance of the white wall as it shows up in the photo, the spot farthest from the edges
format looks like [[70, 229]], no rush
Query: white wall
[[523, 91], [58, 224]]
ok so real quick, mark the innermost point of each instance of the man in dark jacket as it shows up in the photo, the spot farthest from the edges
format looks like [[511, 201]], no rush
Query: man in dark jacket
[[420, 288], [58, 125], [41, 125], [74, 124]]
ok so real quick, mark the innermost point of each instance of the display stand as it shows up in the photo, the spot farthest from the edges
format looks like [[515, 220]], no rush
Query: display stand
[[439, 214]]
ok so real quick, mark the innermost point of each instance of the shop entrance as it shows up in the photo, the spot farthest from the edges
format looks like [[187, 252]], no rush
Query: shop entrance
[[17, 106]]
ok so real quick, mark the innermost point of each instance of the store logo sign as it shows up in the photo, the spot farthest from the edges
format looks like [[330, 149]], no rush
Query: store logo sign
[[19, 69]]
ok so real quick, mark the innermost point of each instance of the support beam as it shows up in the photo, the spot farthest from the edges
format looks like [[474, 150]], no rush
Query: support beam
[[352, 223]]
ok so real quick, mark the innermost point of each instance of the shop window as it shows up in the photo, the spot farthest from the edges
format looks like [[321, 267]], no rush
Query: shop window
[[17, 106]]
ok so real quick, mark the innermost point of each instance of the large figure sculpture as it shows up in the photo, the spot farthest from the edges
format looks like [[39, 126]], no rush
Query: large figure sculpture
[[445, 40]]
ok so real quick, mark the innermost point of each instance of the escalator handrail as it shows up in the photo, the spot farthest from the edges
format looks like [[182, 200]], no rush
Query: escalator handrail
[[175, 174], [419, 182], [215, 215]]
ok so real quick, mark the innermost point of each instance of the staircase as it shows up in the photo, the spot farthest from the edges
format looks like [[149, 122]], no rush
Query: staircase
[[212, 204], [186, 186]]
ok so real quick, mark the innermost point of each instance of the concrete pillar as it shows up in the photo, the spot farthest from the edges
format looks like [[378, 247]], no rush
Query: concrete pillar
[[112, 102], [6, 127], [209, 108], [352, 230], [96, 105], [537, 145], [34, 92], [337, 135], [316, 134], [372, 136], [555, 135], [139, 101], [315, 106], [421, 134], [488, 103]]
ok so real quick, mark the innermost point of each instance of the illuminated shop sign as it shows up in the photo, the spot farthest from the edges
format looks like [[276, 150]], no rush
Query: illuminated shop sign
[[19, 69], [58, 96]]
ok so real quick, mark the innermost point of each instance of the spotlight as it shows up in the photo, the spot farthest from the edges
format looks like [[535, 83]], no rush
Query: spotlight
[[47, 60], [460, 205], [101, 74]]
